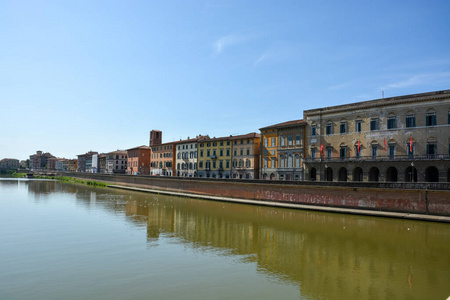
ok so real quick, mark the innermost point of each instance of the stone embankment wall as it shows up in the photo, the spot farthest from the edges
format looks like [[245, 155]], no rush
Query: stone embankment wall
[[407, 198]]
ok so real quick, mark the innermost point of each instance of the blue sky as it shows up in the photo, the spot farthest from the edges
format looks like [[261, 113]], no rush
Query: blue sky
[[99, 75]]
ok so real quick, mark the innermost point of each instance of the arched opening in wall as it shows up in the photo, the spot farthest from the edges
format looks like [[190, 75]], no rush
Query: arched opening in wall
[[313, 174], [342, 174], [431, 174], [329, 174], [411, 174], [265, 176], [391, 174], [272, 176], [357, 174], [374, 174]]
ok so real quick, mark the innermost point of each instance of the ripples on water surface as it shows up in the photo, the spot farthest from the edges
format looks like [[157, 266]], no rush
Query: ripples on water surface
[[66, 241]]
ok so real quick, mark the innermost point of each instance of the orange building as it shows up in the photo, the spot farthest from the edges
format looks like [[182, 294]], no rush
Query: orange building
[[138, 161], [163, 160]]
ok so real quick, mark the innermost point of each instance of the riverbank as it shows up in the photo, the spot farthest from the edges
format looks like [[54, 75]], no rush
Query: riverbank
[[408, 216]]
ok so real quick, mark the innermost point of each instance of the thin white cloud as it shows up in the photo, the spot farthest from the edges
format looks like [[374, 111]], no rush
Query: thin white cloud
[[420, 79], [227, 41], [262, 58]]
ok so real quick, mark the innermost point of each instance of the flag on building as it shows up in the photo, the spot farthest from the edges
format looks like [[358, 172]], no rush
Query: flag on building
[[384, 147], [321, 149], [410, 144], [359, 147]]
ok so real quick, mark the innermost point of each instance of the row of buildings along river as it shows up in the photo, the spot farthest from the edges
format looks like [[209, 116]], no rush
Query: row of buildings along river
[[405, 139]]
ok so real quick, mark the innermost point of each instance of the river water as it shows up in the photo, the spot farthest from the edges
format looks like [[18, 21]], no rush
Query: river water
[[68, 241]]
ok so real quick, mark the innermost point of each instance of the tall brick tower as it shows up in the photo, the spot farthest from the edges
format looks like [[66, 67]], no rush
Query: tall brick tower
[[155, 137]]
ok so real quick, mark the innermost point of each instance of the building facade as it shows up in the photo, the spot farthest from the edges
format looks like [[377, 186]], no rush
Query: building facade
[[186, 155], [116, 162], [39, 160], [138, 160], [9, 164], [282, 151], [214, 158], [404, 138], [245, 156], [88, 162]]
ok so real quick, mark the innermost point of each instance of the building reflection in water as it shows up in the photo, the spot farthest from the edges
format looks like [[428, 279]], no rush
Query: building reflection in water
[[325, 254]]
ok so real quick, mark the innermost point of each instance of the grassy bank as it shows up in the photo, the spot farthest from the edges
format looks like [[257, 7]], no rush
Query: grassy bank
[[64, 179]]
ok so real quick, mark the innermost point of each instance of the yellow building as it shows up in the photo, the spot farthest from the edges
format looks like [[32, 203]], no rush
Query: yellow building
[[214, 158], [282, 148]]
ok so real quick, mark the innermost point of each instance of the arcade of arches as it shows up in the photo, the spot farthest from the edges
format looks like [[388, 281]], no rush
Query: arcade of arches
[[408, 173]]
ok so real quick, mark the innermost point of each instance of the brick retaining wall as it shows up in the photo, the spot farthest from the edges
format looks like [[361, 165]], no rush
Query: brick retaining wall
[[435, 202]]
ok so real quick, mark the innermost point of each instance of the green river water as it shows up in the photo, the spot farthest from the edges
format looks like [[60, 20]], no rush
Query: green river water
[[69, 241]]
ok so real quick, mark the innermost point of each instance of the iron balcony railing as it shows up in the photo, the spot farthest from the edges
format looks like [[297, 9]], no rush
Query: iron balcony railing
[[381, 158]]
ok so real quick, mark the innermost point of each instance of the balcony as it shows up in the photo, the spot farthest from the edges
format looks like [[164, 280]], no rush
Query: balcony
[[380, 158]]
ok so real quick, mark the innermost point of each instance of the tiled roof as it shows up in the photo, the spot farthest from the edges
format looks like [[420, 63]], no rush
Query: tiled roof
[[285, 124]]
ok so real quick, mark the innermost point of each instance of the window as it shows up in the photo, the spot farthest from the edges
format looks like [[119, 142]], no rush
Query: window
[[313, 130], [227, 163], [214, 164], [221, 152], [374, 151], [410, 121], [214, 152], [241, 163], [242, 151], [374, 124], [358, 125], [247, 163], [274, 142], [329, 128], [431, 150], [266, 142], [200, 164], [208, 152], [221, 143], [290, 161], [282, 161], [265, 162], [329, 152], [343, 152], [248, 151], [297, 161], [391, 123], [283, 140], [201, 153], [391, 150], [221, 164], [274, 162], [297, 139], [313, 153], [343, 127], [431, 119], [290, 139]]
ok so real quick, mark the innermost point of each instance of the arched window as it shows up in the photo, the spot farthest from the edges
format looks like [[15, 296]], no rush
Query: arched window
[[247, 163], [241, 163], [282, 161], [297, 161], [290, 139], [283, 140], [297, 139], [290, 161]]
